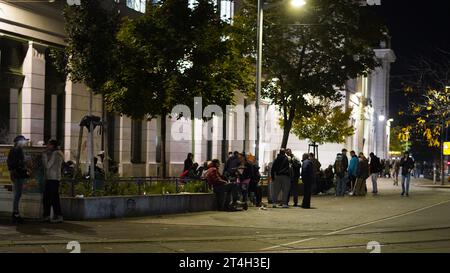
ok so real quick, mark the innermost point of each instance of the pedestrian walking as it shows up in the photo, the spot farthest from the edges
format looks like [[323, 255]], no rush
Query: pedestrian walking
[[353, 169], [340, 169], [396, 171], [407, 164], [295, 170], [18, 173], [281, 179], [361, 176], [308, 179], [52, 161], [375, 168]]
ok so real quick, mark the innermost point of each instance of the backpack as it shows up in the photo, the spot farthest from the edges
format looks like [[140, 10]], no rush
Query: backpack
[[338, 165]]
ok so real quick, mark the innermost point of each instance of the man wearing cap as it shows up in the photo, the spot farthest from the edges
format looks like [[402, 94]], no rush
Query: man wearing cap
[[18, 172]]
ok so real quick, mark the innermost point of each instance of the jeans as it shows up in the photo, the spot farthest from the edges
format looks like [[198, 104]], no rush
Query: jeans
[[281, 184], [51, 198], [374, 182], [294, 191], [224, 193], [18, 189], [352, 180], [406, 178], [341, 185], [244, 192]]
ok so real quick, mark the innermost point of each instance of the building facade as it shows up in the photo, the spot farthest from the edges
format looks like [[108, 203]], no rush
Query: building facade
[[36, 102]]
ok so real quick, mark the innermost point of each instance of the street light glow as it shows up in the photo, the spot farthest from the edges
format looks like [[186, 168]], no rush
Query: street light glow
[[298, 3]]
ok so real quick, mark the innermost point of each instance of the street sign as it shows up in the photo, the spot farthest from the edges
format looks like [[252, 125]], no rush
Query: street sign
[[446, 148]]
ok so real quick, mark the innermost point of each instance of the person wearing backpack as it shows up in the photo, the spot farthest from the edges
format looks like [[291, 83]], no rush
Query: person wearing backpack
[[340, 169], [375, 168], [18, 173]]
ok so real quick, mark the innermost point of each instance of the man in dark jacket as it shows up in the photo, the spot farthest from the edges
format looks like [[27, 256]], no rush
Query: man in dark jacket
[[295, 166], [18, 173], [308, 179], [407, 164], [340, 168], [231, 166], [281, 179], [375, 169]]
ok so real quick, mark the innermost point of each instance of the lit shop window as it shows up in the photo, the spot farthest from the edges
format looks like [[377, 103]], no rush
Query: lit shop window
[[137, 5]]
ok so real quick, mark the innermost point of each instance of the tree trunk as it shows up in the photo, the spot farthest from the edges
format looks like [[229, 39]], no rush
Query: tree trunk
[[286, 131], [163, 145]]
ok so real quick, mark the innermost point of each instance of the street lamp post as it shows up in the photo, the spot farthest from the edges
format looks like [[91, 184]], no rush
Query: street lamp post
[[259, 39]]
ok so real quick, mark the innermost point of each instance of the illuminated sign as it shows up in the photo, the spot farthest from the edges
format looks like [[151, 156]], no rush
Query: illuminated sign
[[446, 148]]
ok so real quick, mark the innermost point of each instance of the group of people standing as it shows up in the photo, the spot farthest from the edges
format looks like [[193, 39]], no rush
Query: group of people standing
[[52, 161], [285, 173], [351, 177]]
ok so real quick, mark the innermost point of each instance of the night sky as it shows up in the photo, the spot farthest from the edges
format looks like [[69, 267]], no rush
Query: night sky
[[418, 28]]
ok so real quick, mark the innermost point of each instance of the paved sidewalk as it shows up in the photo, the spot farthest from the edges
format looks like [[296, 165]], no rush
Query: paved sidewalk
[[422, 182], [420, 223]]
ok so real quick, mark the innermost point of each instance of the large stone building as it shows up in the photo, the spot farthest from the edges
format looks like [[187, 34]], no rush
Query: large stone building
[[35, 102]]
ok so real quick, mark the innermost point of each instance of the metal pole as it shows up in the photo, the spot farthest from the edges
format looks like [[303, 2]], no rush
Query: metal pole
[[442, 154], [258, 73], [91, 144]]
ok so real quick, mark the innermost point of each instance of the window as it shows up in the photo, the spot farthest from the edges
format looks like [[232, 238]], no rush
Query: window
[[137, 5], [227, 10], [136, 141]]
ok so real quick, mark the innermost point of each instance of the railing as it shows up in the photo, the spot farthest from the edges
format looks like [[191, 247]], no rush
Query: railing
[[142, 183]]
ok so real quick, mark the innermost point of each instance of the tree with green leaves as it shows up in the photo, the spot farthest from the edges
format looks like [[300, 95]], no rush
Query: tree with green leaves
[[327, 125], [90, 44], [310, 52], [172, 54]]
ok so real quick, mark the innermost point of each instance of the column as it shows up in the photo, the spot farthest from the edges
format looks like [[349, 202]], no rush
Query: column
[[33, 93]]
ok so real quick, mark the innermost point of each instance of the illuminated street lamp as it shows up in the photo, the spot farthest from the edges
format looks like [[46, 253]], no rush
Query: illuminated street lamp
[[261, 6]]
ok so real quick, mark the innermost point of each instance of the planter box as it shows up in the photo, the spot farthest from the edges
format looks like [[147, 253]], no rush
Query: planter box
[[134, 206], [30, 205]]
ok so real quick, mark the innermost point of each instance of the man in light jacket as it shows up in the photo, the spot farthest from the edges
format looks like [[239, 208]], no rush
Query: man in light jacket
[[52, 160]]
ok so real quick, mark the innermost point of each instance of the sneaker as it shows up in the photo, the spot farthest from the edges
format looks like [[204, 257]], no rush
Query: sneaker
[[57, 219], [262, 208], [16, 219], [274, 206], [245, 206], [45, 219], [285, 206], [403, 193], [295, 205]]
